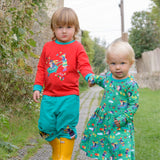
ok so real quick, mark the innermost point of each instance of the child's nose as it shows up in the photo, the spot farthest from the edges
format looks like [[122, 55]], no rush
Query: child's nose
[[64, 29], [117, 66]]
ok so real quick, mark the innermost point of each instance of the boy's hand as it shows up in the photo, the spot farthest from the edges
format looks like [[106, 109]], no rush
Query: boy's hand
[[36, 96], [90, 83], [117, 123]]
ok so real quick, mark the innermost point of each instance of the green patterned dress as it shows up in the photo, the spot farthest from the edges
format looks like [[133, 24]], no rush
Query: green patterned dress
[[102, 139]]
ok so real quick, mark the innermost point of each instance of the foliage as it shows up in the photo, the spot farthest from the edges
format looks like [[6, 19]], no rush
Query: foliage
[[18, 128], [7, 146], [82, 82], [144, 34], [155, 13], [83, 85], [15, 48], [99, 57], [87, 42]]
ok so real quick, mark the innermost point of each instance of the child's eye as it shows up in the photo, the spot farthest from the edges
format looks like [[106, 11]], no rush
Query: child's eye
[[59, 26], [123, 63], [112, 63], [69, 27]]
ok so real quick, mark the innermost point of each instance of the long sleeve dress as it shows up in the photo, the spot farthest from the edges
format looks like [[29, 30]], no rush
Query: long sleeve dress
[[102, 139]]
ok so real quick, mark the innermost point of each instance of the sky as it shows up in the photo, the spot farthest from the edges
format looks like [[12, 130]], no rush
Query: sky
[[102, 17]]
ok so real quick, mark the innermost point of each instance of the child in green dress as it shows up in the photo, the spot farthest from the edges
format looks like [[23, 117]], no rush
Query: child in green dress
[[109, 134]]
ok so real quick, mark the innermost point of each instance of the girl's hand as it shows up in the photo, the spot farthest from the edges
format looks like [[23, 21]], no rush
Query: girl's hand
[[117, 123], [36, 96]]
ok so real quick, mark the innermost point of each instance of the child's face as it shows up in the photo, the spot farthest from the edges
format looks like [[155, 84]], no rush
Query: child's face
[[119, 65], [65, 33]]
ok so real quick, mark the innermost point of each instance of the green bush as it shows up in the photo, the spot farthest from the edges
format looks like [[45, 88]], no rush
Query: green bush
[[16, 46]]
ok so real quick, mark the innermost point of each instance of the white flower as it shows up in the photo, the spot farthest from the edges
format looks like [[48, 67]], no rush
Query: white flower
[[15, 37]]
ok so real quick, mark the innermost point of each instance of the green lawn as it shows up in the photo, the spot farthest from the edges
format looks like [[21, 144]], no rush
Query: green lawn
[[17, 129], [147, 126]]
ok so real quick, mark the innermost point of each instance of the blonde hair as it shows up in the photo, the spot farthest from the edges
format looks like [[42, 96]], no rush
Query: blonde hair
[[64, 16], [120, 47]]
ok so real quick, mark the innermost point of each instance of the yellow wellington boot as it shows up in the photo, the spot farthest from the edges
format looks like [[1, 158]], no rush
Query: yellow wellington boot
[[66, 146], [55, 148]]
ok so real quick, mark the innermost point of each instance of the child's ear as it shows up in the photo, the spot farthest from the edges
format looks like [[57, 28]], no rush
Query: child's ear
[[106, 59], [131, 63]]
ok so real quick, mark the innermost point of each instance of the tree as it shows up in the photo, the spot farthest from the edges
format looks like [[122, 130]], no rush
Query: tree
[[144, 34], [87, 42], [99, 57], [155, 13]]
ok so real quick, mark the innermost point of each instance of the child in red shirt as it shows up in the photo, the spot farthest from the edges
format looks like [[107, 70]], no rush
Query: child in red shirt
[[58, 72]]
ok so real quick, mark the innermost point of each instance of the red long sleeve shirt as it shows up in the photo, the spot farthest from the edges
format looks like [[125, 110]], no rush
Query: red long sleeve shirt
[[58, 68]]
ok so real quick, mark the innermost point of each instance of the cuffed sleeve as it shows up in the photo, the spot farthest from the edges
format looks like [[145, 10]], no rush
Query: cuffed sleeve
[[37, 88], [133, 95], [95, 79], [87, 76]]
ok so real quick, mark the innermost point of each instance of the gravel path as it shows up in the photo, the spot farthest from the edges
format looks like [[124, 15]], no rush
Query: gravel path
[[88, 104]]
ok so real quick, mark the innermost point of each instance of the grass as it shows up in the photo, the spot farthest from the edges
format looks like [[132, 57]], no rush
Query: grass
[[147, 125], [17, 130]]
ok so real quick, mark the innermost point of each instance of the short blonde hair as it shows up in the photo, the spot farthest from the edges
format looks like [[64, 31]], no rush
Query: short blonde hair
[[64, 16], [120, 47]]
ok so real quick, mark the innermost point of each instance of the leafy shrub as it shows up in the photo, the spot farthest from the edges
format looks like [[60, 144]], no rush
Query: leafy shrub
[[16, 46]]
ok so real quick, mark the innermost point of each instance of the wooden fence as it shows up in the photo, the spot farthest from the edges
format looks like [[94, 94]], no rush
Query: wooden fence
[[148, 70]]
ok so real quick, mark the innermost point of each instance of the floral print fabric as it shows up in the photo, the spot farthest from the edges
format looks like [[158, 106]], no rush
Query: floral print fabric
[[102, 139]]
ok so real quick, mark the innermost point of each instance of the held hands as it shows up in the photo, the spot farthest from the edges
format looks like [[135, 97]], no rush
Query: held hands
[[36, 96], [117, 123], [91, 81]]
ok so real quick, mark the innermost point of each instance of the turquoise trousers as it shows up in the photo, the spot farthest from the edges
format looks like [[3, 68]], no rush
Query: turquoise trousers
[[59, 117]]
